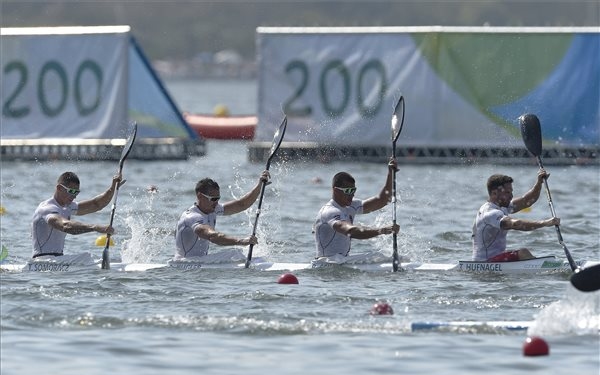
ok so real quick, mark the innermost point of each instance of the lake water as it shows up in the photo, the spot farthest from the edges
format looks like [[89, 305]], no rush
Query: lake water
[[206, 321]]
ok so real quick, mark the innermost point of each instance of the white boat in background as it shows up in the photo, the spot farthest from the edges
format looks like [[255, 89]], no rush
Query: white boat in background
[[235, 259]]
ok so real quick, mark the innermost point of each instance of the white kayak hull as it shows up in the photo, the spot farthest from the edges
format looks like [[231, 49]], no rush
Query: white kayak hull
[[537, 265]]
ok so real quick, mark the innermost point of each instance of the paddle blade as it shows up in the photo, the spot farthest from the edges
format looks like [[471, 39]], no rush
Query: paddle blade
[[398, 119], [531, 131], [128, 145], [587, 279], [277, 139]]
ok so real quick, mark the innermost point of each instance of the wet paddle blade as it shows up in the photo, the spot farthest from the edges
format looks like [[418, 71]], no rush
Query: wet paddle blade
[[531, 131], [587, 279], [128, 145], [277, 139], [398, 119]]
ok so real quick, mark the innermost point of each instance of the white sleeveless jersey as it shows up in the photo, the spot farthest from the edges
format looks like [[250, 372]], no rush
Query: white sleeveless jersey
[[489, 239], [187, 241], [330, 242], [47, 239]]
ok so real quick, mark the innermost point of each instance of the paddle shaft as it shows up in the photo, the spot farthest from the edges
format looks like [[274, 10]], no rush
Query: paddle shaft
[[398, 109], [260, 200], [560, 238], [124, 154], [395, 258], [277, 139], [105, 260]]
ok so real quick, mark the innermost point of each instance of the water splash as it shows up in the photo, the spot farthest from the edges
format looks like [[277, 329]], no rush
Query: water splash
[[150, 240], [577, 314]]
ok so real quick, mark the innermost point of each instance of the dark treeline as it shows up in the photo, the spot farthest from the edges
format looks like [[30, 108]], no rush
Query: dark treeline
[[178, 30]]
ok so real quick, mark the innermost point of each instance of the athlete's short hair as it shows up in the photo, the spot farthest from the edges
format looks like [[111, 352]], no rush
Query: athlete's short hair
[[206, 184], [68, 178], [342, 178], [497, 180]]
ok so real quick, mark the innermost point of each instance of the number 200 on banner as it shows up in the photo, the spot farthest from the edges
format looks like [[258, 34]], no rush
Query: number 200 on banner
[[335, 70], [52, 88]]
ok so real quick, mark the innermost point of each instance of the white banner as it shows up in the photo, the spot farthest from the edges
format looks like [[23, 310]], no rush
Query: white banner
[[342, 88], [64, 85], [462, 86]]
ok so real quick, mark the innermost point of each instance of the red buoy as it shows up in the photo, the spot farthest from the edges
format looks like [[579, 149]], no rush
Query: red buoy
[[535, 346], [382, 308], [287, 278]]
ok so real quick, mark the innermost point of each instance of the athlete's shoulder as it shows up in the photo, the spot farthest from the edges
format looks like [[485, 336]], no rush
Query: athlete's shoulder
[[357, 205], [50, 202]]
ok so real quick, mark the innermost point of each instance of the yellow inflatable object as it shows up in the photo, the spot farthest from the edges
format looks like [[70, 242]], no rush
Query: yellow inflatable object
[[2, 210], [221, 110], [101, 241]]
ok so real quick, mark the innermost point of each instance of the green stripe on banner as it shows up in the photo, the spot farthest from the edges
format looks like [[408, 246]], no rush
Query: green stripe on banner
[[491, 69], [3, 254]]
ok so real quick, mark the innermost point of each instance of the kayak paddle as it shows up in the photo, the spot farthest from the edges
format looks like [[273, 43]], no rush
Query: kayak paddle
[[277, 138], [532, 137], [124, 154], [397, 123], [587, 279]]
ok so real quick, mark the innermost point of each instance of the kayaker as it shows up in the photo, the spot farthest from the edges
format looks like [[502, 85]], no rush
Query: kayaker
[[493, 222], [52, 218], [196, 226], [334, 227]]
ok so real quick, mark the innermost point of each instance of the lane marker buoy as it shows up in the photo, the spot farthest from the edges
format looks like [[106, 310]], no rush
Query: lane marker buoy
[[535, 346], [287, 278], [381, 308]]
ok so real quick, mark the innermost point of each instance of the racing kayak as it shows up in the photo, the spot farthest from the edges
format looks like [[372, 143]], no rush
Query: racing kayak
[[537, 265], [362, 262], [61, 265]]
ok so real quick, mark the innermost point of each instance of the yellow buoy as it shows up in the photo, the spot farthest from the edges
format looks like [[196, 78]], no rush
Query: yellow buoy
[[101, 241], [221, 110], [2, 210]]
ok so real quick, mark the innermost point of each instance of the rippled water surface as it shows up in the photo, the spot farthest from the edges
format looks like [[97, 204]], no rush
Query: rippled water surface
[[244, 322]]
